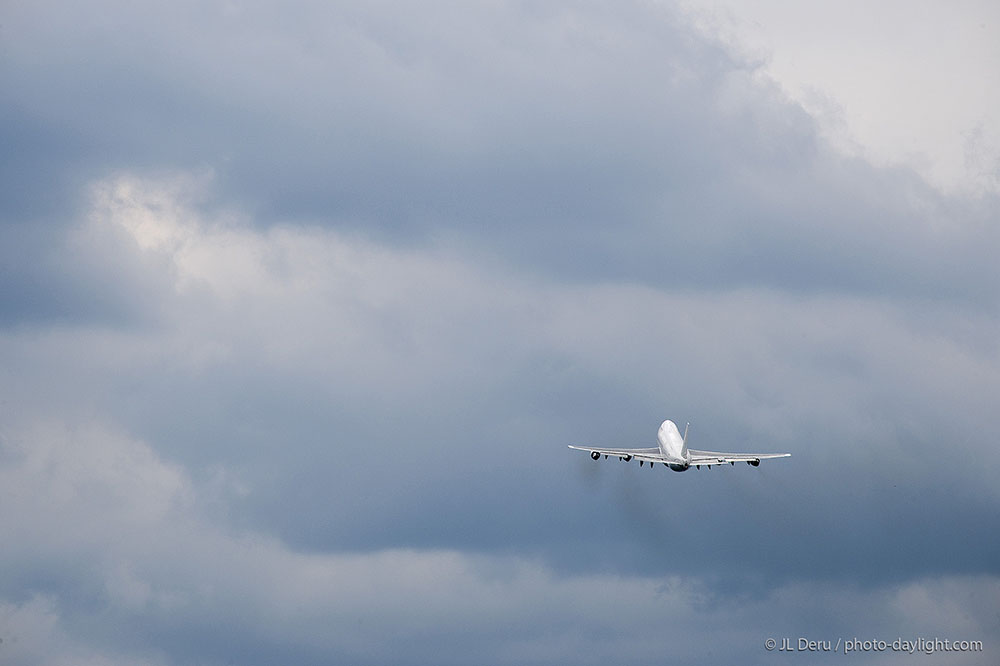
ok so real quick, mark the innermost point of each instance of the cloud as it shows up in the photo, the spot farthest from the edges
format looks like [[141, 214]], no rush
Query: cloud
[[865, 98], [318, 367], [573, 141], [145, 557], [294, 352]]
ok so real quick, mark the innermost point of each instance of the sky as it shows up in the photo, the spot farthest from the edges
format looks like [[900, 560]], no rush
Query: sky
[[911, 84], [302, 304]]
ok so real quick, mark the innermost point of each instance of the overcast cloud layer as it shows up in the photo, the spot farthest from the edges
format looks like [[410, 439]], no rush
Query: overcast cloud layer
[[300, 307]]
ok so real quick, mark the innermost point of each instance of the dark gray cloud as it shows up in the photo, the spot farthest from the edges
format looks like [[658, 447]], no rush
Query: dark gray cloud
[[668, 160], [300, 309]]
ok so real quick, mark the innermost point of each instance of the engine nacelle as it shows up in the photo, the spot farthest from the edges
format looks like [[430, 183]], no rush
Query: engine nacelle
[[627, 458], [595, 455], [755, 462]]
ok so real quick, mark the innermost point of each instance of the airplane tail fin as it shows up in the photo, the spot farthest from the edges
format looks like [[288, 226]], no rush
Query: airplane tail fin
[[684, 441]]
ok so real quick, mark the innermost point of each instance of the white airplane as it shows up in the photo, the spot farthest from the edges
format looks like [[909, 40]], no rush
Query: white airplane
[[674, 453]]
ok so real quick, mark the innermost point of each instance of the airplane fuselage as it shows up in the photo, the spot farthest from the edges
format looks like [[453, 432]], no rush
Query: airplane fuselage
[[673, 447]]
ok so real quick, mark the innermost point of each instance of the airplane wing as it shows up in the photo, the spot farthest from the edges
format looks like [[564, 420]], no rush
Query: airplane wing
[[716, 458], [698, 458], [650, 455]]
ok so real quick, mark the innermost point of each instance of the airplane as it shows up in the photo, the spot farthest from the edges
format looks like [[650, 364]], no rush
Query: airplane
[[674, 453]]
